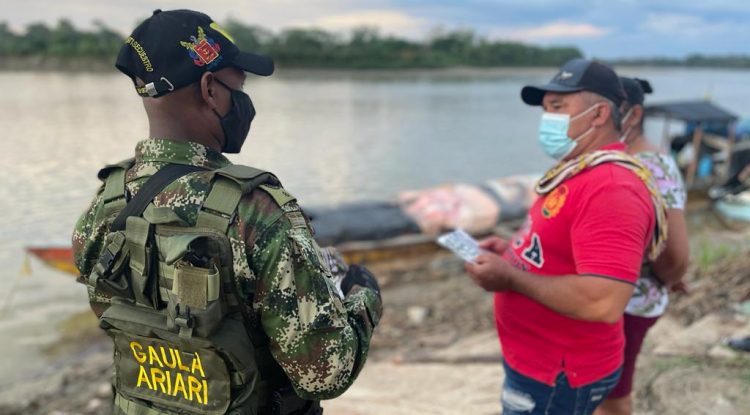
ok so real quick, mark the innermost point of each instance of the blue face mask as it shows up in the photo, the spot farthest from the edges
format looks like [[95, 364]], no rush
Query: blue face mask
[[553, 133]]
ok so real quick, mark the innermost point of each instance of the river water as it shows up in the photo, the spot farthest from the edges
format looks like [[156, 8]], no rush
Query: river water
[[331, 137]]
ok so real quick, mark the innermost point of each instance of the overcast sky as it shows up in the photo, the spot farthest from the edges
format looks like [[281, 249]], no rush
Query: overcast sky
[[601, 28]]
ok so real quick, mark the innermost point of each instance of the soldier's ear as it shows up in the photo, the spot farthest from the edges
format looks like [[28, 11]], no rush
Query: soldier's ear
[[208, 86]]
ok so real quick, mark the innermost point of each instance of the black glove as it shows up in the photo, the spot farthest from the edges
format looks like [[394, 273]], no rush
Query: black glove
[[359, 275], [739, 344]]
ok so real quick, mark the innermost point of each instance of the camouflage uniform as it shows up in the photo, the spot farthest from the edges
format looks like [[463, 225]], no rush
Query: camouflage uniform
[[319, 341]]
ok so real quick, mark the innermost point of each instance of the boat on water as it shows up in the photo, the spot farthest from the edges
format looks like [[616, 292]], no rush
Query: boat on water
[[371, 232], [713, 151], [57, 257], [706, 146], [734, 210]]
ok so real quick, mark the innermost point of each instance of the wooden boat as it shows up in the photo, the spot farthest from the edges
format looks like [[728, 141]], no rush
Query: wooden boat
[[710, 135], [367, 233], [734, 210], [56, 257], [362, 252]]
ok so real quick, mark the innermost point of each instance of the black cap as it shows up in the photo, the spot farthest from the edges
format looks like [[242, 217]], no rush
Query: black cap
[[579, 75], [173, 49], [635, 89]]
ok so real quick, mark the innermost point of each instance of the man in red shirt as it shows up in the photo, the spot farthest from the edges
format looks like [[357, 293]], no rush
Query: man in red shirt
[[562, 283]]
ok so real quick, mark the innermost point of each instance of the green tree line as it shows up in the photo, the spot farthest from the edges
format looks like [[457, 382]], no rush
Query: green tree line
[[298, 47], [362, 48], [60, 41], [694, 60]]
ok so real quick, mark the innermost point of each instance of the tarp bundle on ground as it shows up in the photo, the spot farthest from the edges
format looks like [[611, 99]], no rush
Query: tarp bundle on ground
[[475, 208], [361, 221]]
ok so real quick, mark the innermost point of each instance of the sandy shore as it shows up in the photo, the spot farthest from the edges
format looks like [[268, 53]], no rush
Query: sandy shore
[[436, 352]]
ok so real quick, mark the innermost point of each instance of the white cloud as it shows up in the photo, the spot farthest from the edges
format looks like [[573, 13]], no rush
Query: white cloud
[[684, 25], [664, 26], [337, 15], [550, 31], [382, 18], [388, 21], [123, 15]]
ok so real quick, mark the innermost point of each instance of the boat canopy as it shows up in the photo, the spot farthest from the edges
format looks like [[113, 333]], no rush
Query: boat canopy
[[692, 111]]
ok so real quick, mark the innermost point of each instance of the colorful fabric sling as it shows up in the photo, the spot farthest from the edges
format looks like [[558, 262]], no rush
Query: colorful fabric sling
[[565, 170]]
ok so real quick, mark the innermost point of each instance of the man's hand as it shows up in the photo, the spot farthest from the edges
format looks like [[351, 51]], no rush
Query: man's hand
[[494, 244], [490, 272]]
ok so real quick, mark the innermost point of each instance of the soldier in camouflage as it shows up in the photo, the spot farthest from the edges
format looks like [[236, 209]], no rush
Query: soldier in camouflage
[[318, 340]]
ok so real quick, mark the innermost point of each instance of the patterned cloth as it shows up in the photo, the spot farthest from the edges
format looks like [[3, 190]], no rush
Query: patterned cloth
[[337, 265], [667, 178], [320, 340], [567, 169], [650, 297]]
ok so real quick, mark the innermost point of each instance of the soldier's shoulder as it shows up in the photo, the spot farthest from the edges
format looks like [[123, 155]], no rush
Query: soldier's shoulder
[[270, 203], [105, 171], [280, 196], [271, 200]]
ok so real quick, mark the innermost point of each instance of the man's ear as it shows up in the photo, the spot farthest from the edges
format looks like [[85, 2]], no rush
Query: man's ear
[[208, 89], [603, 112]]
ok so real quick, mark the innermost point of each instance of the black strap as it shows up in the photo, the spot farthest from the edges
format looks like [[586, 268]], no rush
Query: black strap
[[149, 190]]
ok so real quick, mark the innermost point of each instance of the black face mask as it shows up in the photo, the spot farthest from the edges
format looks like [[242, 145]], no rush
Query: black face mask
[[236, 124]]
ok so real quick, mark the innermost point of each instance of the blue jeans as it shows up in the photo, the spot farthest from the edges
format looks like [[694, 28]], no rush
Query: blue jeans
[[525, 396]]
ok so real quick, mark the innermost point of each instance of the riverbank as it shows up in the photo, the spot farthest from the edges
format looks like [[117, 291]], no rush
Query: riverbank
[[106, 65], [436, 350]]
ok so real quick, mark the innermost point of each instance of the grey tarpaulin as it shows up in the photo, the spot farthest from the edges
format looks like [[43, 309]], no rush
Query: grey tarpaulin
[[361, 221], [693, 111]]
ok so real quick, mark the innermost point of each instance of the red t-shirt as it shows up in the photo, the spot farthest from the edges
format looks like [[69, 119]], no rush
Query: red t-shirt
[[598, 222]]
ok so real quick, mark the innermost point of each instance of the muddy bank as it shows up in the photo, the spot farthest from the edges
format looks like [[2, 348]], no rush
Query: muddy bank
[[436, 348]]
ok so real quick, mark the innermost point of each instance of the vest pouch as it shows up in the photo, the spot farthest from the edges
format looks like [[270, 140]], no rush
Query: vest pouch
[[110, 275], [170, 375], [239, 349], [194, 305], [133, 319], [143, 261], [191, 263]]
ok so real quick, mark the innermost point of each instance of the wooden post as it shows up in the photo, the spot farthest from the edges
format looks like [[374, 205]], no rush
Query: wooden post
[[732, 137], [693, 168]]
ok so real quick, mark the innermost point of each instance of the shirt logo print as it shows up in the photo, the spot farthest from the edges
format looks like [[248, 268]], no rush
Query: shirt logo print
[[554, 202], [534, 252]]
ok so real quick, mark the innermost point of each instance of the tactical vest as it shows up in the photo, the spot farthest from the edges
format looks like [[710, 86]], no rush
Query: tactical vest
[[182, 338]]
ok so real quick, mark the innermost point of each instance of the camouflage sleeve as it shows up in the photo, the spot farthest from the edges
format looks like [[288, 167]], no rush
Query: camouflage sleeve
[[319, 340], [88, 240], [88, 237]]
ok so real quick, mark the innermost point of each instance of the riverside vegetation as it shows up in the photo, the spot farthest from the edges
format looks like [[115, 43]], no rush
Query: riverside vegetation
[[63, 46]]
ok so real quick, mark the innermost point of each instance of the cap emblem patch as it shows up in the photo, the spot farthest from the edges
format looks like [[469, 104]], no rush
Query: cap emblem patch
[[203, 49], [565, 75]]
